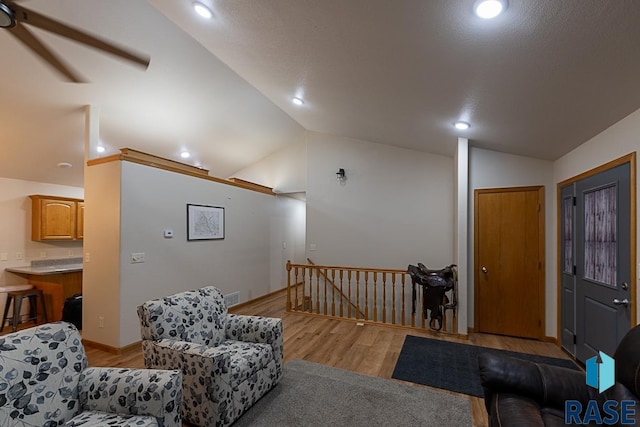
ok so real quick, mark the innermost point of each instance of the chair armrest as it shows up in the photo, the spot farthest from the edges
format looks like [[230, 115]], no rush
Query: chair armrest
[[260, 329], [546, 384], [152, 392], [267, 330], [206, 377]]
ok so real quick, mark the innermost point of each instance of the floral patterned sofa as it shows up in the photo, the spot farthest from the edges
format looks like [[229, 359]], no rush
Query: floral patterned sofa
[[45, 381], [228, 361]]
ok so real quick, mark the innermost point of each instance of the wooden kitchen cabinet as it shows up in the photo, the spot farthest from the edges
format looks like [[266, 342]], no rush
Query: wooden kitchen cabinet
[[56, 218], [80, 220]]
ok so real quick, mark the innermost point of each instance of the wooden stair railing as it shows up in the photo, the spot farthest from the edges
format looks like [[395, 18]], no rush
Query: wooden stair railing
[[339, 290], [375, 295]]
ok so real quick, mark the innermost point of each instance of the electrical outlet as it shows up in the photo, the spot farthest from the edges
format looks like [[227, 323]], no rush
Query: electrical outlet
[[100, 321], [19, 255], [87, 257], [43, 254], [70, 253], [137, 257]]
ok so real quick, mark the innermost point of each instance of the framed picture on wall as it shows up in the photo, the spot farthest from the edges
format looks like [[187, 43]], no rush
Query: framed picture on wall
[[205, 222]]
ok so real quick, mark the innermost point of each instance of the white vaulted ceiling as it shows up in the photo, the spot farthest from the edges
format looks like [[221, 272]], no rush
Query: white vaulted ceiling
[[539, 80]]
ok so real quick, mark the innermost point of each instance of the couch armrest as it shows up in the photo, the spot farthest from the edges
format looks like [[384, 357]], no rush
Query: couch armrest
[[267, 330], [546, 384], [157, 393]]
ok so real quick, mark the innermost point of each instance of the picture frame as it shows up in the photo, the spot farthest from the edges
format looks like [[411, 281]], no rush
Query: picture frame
[[205, 222]]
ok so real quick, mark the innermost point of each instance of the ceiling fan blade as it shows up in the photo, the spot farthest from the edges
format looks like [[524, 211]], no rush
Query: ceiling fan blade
[[28, 39], [30, 17]]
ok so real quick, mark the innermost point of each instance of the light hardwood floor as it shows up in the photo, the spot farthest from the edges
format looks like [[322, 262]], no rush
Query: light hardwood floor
[[370, 349]]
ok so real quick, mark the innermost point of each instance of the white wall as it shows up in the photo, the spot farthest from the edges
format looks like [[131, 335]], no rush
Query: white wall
[[491, 169], [15, 227], [620, 139], [154, 200], [461, 247], [288, 238], [285, 171], [395, 208], [101, 272]]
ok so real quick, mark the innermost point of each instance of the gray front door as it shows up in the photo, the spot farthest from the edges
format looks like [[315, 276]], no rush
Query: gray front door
[[602, 260], [568, 267]]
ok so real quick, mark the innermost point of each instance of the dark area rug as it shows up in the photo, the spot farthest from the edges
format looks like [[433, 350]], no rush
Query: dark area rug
[[452, 366]]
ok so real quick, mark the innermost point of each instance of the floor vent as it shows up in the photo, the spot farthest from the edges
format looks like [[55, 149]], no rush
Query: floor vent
[[232, 299]]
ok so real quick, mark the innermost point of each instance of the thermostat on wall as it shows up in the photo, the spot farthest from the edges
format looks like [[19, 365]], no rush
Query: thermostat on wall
[[168, 233]]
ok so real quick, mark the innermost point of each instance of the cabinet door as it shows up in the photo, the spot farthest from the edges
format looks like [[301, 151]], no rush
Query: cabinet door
[[80, 220], [57, 219]]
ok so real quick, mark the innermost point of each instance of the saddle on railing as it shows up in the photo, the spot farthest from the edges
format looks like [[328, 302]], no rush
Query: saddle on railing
[[435, 284]]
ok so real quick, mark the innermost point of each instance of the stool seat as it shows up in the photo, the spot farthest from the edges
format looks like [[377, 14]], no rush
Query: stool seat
[[18, 296]]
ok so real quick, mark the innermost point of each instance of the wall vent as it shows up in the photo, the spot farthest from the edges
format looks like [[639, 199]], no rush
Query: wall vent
[[232, 299]]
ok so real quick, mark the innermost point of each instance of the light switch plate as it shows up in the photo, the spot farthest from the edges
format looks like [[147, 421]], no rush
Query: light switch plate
[[137, 257]]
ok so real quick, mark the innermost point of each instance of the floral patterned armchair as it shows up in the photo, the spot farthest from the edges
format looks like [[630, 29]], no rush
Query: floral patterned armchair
[[227, 361], [45, 381]]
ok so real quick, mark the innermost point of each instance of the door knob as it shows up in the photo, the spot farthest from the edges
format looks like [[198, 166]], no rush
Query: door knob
[[616, 301], [484, 269]]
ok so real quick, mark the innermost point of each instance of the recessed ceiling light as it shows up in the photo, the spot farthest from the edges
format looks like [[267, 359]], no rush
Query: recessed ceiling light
[[488, 9], [100, 149], [7, 19], [185, 154], [297, 101], [202, 10], [461, 125], [64, 165]]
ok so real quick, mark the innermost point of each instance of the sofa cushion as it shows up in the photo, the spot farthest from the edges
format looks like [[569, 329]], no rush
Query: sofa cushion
[[40, 370], [246, 358], [514, 410], [552, 417], [103, 419]]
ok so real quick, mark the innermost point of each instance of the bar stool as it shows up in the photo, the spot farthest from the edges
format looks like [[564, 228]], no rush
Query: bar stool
[[17, 296], [4, 290]]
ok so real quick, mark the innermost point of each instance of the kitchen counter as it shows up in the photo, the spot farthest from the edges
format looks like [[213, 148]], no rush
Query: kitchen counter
[[45, 270], [43, 267]]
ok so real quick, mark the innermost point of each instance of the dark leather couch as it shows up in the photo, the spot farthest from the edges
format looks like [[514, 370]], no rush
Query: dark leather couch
[[522, 393]]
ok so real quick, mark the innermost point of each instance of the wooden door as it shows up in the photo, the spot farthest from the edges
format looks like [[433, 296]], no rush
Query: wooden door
[[509, 261]]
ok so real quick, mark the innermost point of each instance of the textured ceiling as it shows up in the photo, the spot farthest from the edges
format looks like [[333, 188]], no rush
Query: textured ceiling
[[538, 81]]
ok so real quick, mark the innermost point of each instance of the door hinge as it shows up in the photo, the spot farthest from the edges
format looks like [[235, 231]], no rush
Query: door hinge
[[539, 207], [574, 270], [539, 265], [575, 339], [575, 201]]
